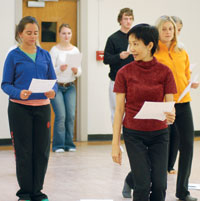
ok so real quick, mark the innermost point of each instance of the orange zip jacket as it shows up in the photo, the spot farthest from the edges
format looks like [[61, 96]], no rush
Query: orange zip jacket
[[179, 63]]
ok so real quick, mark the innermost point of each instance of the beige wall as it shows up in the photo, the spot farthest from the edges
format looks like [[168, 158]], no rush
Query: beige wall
[[102, 21], [7, 24]]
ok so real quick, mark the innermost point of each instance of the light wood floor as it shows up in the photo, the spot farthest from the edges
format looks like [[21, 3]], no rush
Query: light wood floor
[[88, 173]]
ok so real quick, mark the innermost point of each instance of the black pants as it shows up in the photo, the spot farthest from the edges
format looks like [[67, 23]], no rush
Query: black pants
[[129, 180], [30, 131], [173, 151], [148, 152], [173, 146], [184, 124]]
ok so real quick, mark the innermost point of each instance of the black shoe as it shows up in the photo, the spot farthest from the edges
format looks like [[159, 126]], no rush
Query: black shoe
[[188, 198], [126, 192]]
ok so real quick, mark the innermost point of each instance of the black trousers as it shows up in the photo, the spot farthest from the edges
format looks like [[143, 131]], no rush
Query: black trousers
[[129, 180], [147, 153], [30, 131], [173, 146], [184, 124]]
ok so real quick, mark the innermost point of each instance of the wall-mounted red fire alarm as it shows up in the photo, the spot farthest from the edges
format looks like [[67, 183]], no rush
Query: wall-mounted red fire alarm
[[99, 55]]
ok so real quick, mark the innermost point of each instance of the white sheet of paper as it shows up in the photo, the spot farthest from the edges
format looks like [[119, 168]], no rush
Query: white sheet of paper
[[128, 48], [73, 60], [192, 66], [187, 89], [154, 110], [41, 86], [194, 186]]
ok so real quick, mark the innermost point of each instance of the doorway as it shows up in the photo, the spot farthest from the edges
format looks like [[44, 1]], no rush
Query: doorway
[[52, 16]]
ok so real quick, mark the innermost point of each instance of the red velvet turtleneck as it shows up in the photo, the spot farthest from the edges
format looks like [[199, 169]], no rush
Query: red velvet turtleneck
[[143, 81]]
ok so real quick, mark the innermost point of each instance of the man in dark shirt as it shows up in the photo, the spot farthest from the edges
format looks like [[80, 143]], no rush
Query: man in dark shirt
[[116, 52]]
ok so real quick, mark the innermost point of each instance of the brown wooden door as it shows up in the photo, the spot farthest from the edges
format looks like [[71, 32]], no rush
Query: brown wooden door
[[62, 11]]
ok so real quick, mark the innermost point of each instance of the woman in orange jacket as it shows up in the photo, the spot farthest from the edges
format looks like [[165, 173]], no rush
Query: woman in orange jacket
[[177, 60]]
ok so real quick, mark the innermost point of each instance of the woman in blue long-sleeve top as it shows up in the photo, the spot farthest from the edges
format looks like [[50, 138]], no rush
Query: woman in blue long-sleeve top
[[29, 113]]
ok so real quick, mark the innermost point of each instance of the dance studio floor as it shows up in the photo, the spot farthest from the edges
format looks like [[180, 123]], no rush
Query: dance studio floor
[[88, 173]]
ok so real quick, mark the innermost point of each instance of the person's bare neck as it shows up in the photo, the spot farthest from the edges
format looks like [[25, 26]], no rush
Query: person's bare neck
[[65, 46], [28, 49], [124, 30]]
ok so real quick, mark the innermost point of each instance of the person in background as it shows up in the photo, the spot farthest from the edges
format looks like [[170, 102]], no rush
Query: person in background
[[146, 140], [116, 55], [29, 113], [173, 132], [64, 104], [179, 24], [177, 60]]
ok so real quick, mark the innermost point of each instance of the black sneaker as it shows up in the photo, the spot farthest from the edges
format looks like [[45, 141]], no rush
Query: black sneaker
[[126, 192]]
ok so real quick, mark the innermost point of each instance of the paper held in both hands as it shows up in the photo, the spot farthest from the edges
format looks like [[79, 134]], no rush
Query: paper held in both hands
[[73, 60], [154, 110], [41, 86]]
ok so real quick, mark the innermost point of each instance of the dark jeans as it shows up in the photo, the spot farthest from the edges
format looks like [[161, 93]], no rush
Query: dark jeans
[[30, 131], [148, 152], [184, 124]]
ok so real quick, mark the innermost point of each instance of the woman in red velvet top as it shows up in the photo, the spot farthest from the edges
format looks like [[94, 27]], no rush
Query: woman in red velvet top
[[146, 140]]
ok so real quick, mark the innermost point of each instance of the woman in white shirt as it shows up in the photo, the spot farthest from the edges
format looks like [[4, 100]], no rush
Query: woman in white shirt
[[64, 104]]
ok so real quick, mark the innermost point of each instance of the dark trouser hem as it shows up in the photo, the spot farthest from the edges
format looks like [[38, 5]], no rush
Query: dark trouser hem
[[129, 180]]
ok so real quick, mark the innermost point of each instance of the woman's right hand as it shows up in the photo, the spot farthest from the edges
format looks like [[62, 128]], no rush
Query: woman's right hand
[[63, 67], [170, 116], [116, 154], [24, 94]]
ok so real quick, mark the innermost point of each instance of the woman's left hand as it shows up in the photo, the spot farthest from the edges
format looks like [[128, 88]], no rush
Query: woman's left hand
[[170, 116], [195, 85], [74, 70], [116, 154], [50, 94]]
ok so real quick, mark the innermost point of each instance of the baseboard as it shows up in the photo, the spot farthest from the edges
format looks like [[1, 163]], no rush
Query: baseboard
[[101, 137], [91, 137], [197, 133], [108, 137], [5, 142]]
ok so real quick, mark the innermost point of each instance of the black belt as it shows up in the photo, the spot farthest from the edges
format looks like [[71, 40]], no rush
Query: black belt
[[65, 84]]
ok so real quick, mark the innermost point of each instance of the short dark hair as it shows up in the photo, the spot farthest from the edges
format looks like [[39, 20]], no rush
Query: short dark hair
[[147, 34], [127, 11]]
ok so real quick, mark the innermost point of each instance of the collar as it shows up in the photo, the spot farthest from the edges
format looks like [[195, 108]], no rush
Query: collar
[[164, 47], [146, 64]]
